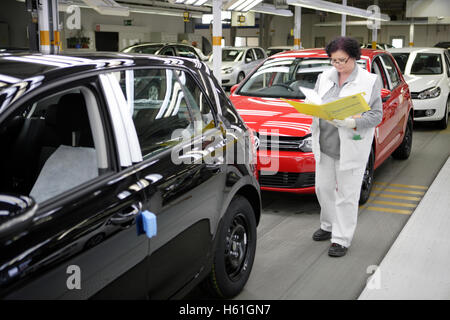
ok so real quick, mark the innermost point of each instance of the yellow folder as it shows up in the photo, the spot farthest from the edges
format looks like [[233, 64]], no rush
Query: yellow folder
[[339, 109]]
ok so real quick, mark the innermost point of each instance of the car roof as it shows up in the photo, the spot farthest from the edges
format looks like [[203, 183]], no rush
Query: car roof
[[414, 49], [26, 68]]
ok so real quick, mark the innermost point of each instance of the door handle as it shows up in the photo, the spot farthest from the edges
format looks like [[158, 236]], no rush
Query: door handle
[[127, 217]]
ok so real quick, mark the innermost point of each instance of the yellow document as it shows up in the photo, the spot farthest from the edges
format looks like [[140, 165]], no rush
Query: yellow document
[[339, 109]]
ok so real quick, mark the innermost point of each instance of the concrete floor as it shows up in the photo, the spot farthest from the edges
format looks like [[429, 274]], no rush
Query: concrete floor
[[290, 265]]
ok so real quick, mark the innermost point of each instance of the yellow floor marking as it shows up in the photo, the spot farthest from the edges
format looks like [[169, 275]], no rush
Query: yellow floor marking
[[401, 185], [397, 204], [391, 196], [399, 191], [389, 210]]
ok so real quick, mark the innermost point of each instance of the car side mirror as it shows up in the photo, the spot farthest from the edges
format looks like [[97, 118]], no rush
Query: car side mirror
[[16, 215], [385, 95], [233, 88]]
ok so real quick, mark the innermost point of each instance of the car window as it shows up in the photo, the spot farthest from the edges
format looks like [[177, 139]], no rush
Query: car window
[[150, 49], [185, 51], [391, 71], [427, 63], [168, 51], [231, 55], [249, 56], [401, 59], [283, 77], [377, 68], [198, 102], [53, 145], [164, 110], [259, 54]]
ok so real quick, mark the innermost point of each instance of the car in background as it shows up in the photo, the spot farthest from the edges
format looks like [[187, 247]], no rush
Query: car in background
[[166, 49], [427, 72], [277, 49], [380, 46], [110, 189], [238, 62], [285, 159]]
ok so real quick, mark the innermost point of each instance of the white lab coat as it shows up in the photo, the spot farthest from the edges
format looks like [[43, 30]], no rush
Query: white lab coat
[[353, 153], [338, 182]]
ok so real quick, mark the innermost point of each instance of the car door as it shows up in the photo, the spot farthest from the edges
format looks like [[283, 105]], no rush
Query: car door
[[398, 101], [84, 236], [183, 174]]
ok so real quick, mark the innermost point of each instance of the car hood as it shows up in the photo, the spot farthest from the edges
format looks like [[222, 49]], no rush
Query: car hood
[[418, 83], [273, 116]]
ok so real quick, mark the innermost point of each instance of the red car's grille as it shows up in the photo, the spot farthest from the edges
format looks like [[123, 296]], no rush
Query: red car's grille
[[287, 179], [281, 143]]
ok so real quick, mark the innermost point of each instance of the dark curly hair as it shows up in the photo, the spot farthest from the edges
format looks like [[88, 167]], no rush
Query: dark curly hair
[[346, 44]]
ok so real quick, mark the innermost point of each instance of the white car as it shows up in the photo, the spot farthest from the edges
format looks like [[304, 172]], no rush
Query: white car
[[237, 62], [427, 72]]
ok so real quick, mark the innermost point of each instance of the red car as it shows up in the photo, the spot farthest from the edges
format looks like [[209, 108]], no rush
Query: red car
[[285, 160]]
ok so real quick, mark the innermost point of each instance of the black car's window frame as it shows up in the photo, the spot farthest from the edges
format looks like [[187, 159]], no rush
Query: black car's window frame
[[90, 82]]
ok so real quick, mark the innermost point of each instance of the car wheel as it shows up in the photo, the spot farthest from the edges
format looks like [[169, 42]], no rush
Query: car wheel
[[240, 77], [367, 183], [404, 149], [235, 251], [442, 124]]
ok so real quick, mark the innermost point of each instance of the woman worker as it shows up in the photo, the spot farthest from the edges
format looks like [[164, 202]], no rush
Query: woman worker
[[342, 147]]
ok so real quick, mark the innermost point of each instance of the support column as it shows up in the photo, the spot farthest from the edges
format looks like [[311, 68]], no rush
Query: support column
[[374, 38], [411, 35], [48, 21], [297, 27], [344, 21], [217, 39]]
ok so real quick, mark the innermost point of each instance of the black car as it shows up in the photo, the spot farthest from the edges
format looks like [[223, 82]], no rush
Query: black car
[[109, 189]]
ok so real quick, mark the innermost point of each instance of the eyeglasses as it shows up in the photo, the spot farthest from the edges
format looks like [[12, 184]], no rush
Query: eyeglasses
[[339, 61]]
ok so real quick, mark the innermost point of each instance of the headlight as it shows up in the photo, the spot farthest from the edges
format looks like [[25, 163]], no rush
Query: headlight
[[429, 93], [306, 145], [227, 70]]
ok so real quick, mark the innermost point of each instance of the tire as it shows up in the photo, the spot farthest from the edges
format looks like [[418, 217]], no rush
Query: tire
[[367, 183], [241, 76], [404, 149], [443, 123], [233, 260]]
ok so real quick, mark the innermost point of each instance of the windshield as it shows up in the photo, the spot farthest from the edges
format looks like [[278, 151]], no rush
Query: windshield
[[282, 77], [427, 63], [150, 49], [401, 59], [232, 55]]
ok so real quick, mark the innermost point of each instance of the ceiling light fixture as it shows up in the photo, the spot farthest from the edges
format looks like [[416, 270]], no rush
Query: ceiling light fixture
[[271, 9], [190, 2], [338, 8], [241, 5]]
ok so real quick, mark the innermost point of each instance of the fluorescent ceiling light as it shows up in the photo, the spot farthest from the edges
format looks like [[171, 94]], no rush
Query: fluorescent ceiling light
[[191, 2], [225, 15], [337, 8], [241, 5], [271, 9]]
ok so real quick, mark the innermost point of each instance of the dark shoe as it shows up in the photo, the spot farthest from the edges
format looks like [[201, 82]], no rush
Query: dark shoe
[[321, 235], [336, 250]]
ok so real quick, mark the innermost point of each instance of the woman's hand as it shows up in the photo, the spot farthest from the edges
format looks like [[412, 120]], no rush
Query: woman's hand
[[346, 123]]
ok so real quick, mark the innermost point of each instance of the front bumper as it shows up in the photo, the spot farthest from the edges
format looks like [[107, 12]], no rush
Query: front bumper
[[421, 105], [228, 79], [286, 171]]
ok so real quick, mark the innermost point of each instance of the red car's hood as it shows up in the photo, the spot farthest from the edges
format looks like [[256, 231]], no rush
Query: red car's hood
[[271, 115]]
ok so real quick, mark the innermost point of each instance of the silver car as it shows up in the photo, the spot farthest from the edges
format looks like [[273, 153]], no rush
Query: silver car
[[237, 62]]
